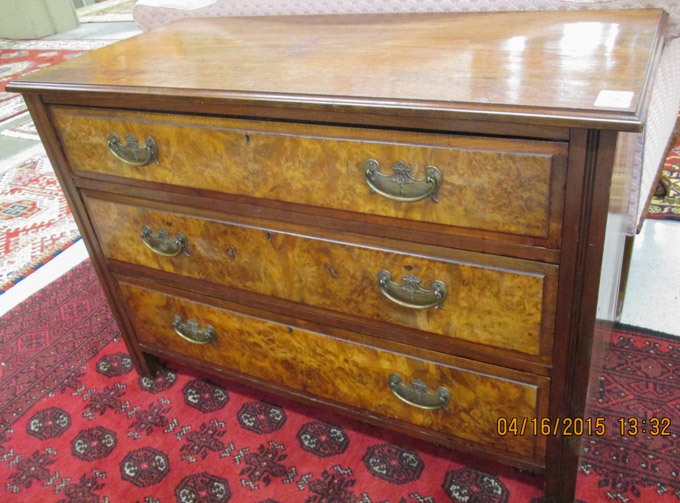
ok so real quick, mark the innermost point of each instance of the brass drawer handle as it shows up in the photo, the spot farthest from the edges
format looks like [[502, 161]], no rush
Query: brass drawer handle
[[132, 153], [401, 186], [410, 294], [417, 395], [189, 331], [163, 244]]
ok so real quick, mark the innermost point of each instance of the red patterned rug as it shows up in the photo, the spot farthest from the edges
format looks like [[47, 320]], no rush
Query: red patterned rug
[[639, 395], [35, 220], [19, 57], [79, 425], [668, 206]]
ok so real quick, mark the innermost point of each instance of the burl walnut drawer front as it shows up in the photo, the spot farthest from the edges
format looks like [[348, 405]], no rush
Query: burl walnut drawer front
[[495, 301], [488, 184], [357, 375]]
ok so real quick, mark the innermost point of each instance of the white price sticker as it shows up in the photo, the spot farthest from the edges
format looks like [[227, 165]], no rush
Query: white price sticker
[[614, 99]]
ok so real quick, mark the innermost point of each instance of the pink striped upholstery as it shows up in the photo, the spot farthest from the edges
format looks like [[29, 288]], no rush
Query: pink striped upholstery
[[663, 112], [149, 15]]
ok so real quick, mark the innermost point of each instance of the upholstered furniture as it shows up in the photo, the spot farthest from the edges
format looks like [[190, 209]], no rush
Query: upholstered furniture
[[410, 219]]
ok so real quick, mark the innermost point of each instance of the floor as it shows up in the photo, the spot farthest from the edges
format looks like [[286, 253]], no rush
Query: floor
[[117, 30], [653, 292], [653, 286], [10, 146]]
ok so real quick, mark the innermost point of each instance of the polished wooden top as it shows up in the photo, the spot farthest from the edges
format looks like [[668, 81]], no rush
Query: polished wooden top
[[547, 66]]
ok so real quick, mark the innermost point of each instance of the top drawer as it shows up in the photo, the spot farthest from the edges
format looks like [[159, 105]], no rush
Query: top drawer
[[488, 185]]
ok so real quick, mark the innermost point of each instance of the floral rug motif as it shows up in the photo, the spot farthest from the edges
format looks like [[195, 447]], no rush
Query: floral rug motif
[[668, 207], [35, 220]]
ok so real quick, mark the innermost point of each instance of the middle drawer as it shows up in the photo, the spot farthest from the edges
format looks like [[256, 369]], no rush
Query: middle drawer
[[492, 301]]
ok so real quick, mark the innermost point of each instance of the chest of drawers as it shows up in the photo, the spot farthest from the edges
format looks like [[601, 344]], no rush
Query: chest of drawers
[[402, 218]]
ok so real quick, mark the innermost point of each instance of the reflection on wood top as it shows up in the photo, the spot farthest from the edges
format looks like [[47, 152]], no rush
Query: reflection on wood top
[[544, 64]]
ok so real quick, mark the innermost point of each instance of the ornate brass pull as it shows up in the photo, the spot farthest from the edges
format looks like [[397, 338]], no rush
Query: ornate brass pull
[[410, 294], [132, 153], [417, 395], [401, 186], [190, 331], [163, 244]]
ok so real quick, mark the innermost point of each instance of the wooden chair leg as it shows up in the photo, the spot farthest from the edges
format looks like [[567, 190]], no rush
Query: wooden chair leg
[[663, 187], [625, 269]]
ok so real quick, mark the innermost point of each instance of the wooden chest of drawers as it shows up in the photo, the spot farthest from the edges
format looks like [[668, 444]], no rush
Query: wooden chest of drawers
[[402, 218]]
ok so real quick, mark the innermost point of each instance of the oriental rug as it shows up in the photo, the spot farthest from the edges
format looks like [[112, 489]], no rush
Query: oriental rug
[[20, 57], [79, 425], [35, 220], [668, 206], [639, 390]]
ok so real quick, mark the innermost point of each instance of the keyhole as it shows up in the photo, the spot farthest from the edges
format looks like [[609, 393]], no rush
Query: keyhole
[[332, 270], [247, 139], [269, 236], [231, 252]]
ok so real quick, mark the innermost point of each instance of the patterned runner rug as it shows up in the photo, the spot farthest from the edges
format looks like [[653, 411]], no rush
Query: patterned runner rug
[[108, 11], [668, 206], [639, 457], [79, 425], [35, 221], [19, 57], [24, 128]]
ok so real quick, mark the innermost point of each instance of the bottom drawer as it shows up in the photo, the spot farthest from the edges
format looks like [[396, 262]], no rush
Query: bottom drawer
[[463, 399]]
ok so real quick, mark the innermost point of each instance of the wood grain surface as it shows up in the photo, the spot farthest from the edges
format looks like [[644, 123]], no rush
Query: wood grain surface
[[505, 307], [545, 67], [500, 185], [346, 372]]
